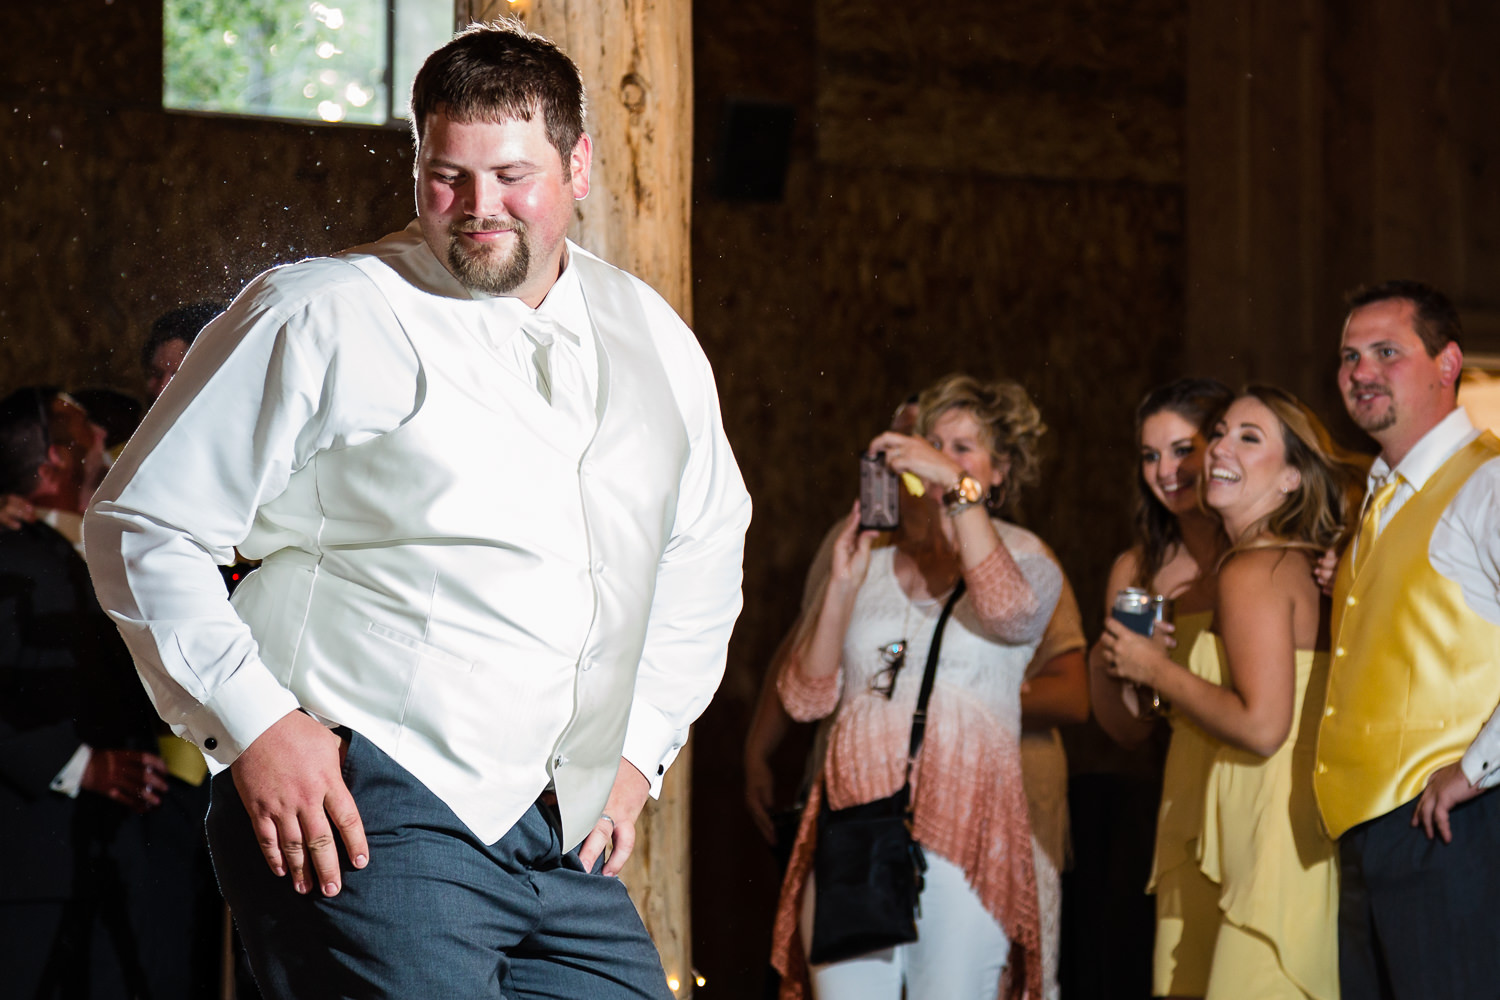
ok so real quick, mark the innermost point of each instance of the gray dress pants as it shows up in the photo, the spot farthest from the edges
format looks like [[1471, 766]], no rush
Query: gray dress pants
[[1418, 918], [436, 913]]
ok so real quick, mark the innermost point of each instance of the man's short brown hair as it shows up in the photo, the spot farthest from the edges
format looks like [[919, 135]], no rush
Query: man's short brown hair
[[499, 71], [1434, 319]]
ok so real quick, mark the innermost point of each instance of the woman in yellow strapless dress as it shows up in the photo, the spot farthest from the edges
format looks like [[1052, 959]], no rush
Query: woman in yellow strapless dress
[[1178, 545], [1255, 684]]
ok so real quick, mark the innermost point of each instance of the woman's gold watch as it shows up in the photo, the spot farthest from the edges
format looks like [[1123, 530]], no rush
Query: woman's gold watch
[[962, 495]]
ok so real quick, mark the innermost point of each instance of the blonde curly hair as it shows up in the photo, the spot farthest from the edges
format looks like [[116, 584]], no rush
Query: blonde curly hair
[[1009, 423]]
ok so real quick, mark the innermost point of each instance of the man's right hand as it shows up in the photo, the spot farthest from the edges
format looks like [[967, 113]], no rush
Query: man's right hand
[[133, 778], [15, 511], [1324, 571], [291, 784]]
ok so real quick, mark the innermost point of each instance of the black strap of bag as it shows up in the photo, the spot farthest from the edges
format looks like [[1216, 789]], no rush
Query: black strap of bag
[[919, 717], [867, 869]]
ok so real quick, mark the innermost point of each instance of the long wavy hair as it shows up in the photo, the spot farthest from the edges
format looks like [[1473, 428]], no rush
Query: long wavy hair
[[1316, 515], [1009, 423], [1199, 401]]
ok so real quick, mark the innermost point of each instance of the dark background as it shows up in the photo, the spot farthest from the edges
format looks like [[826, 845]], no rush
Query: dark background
[[1090, 196]]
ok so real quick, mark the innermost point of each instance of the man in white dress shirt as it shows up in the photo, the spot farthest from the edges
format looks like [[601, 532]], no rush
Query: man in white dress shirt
[[501, 532], [1409, 741]]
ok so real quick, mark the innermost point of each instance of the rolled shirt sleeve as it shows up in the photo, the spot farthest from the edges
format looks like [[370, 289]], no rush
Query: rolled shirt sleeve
[[1465, 548]]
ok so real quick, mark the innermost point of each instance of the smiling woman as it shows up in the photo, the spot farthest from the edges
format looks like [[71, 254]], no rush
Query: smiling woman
[[976, 447], [1176, 555], [1255, 684]]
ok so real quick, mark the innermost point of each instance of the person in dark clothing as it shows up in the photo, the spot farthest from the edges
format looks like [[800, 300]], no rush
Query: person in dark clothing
[[86, 804]]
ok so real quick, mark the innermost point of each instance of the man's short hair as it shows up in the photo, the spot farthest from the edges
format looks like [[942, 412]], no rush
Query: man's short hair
[[183, 323], [25, 435], [1435, 320], [500, 71]]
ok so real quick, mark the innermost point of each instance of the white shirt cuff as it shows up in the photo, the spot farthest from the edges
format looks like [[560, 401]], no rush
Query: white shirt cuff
[[243, 707], [1481, 762], [651, 744], [70, 779]]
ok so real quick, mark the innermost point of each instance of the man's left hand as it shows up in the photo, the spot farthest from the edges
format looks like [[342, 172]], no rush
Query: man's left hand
[[616, 828], [1446, 788]]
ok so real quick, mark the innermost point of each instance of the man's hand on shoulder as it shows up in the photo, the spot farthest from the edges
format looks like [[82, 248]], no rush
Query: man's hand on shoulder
[[1448, 787], [616, 827], [1325, 570], [291, 782]]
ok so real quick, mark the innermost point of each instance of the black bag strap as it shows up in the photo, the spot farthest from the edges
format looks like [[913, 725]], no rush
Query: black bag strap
[[919, 717]]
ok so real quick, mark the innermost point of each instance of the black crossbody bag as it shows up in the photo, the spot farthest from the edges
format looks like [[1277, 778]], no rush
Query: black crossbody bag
[[867, 868]]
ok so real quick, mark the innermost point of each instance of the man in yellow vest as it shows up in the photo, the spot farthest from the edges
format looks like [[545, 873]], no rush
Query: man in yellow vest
[[1410, 735]]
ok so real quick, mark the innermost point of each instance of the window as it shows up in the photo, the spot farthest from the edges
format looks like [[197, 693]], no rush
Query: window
[[334, 61]]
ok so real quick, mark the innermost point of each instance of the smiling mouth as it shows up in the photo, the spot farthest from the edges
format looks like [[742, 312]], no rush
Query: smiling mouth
[[1223, 476]]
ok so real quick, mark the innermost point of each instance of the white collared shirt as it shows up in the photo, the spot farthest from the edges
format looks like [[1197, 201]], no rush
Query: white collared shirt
[[1465, 549], [309, 363]]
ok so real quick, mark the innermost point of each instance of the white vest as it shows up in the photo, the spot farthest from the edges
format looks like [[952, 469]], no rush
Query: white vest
[[412, 602]]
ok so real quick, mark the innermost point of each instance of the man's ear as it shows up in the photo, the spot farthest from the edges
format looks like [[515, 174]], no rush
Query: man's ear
[[1450, 363], [579, 162]]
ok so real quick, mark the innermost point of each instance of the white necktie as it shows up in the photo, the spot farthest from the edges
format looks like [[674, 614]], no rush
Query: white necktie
[[560, 377]]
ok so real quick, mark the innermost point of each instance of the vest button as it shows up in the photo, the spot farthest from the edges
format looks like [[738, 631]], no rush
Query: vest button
[[1350, 601], [1328, 712], [210, 744], [1339, 651], [559, 761], [1322, 767]]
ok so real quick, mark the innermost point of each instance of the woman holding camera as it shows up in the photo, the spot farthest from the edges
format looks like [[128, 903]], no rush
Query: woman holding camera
[[1176, 552], [863, 658], [1256, 684]]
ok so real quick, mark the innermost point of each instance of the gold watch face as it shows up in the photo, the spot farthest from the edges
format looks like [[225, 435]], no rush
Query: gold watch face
[[966, 490]]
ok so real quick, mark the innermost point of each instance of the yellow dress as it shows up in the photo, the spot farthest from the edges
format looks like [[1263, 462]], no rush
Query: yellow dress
[[1187, 902], [1264, 844]]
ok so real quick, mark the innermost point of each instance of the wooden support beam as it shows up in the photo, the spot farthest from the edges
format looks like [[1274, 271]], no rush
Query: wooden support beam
[[636, 57]]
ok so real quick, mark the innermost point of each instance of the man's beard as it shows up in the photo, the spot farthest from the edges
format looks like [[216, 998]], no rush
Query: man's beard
[[481, 267], [1373, 422]]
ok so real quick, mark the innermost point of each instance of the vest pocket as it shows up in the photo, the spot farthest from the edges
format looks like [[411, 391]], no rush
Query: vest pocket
[[422, 648]]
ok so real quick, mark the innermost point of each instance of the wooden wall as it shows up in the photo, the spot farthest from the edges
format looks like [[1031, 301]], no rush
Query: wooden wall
[[1332, 143], [115, 211]]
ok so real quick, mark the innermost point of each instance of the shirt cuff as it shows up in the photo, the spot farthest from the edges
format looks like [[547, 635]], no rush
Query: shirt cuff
[[1481, 763], [70, 779], [244, 706], [651, 744]]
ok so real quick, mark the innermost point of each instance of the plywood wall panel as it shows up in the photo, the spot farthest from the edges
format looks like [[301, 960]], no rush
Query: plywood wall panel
[[119, 211]]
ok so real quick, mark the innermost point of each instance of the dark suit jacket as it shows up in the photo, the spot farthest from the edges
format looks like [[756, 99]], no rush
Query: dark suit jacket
[[65, 679]]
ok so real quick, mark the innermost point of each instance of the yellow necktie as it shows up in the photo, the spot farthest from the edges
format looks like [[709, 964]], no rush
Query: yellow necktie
[[1370, 522]]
